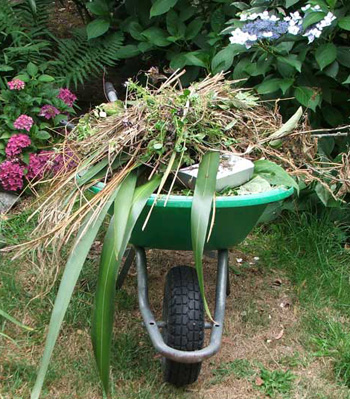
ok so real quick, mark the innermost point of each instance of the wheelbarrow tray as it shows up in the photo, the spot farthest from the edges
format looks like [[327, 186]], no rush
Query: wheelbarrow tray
[[169, 227]]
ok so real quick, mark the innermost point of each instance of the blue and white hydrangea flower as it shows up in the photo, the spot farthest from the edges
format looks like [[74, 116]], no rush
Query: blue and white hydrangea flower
[[315, 32], [260, 26]]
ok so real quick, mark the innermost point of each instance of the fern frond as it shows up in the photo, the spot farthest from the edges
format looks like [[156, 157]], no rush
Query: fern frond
[[79, 58], [26, 38]]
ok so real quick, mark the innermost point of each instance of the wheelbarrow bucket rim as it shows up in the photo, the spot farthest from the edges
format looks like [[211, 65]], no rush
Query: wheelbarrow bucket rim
[[232, 201]]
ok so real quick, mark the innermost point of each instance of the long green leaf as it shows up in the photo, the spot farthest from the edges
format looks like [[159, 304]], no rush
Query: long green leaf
[[8, 337], [287, 127], [128, 206], [90, 173], [13, 320], [99, 170], [200, 212], [112, 252], [122, 206], [102, 323], [32, 5], [70, 276]]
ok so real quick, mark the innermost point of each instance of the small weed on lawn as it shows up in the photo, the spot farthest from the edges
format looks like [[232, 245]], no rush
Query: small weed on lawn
[[275, 382]]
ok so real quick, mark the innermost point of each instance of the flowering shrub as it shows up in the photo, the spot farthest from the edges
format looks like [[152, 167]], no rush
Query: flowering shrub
[[31, 109], [14, 172], [49, 111], [16, 84], [285, 48], [11, 175], [37, 165], [67, 97], [293, 49], [271, 27], [16, 144], [23, 122]]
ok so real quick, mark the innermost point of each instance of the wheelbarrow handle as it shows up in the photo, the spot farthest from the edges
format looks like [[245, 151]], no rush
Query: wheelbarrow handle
[[151, 324], [111, 92]]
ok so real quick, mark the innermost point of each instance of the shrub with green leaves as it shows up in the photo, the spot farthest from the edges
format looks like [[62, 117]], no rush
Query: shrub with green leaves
[[28, 37], [31, 109], [188, 33], [309, 64], [24, 38], [179, 33]]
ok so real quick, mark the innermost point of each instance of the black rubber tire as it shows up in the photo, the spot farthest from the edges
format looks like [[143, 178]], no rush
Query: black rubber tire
[[183, 313]]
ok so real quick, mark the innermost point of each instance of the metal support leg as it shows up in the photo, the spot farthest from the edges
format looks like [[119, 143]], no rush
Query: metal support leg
[[151, 324], [125, 269]]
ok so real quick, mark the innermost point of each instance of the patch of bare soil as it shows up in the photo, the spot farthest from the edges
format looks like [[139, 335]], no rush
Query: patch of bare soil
[[64, 16]]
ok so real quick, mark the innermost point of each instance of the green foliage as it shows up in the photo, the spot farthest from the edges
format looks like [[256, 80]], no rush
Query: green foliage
[[183, 32], [275, 382], [315, 74], [38, 92], [190, 35], [78, 58], [274, 174], [24, 38], [187, 34], [331, 339], [27, 38]]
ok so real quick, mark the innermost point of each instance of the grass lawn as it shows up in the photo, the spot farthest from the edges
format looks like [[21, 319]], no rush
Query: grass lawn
[[287, 327]]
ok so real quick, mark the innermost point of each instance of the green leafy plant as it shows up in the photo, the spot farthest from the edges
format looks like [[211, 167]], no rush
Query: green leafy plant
[[184, 32], [14, 321], [313, 70], [189, 34], [26, 37], [78, 59], [31, 111], [275, 382]]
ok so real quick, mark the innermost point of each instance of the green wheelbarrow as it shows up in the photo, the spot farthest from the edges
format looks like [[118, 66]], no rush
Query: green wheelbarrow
[[179, 336]]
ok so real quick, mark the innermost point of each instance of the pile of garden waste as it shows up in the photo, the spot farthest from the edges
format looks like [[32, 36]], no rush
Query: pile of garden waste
[[160, 130]]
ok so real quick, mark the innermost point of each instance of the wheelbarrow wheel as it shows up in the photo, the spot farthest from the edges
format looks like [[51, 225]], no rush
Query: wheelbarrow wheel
[[183, 313]]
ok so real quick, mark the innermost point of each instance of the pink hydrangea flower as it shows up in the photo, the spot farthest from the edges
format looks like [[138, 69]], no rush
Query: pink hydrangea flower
[[60, 162], [49, 111], [38, 164], [24, 122], [64, 162], [11, 175], [16, 84], [16, 143], [67, 96]]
